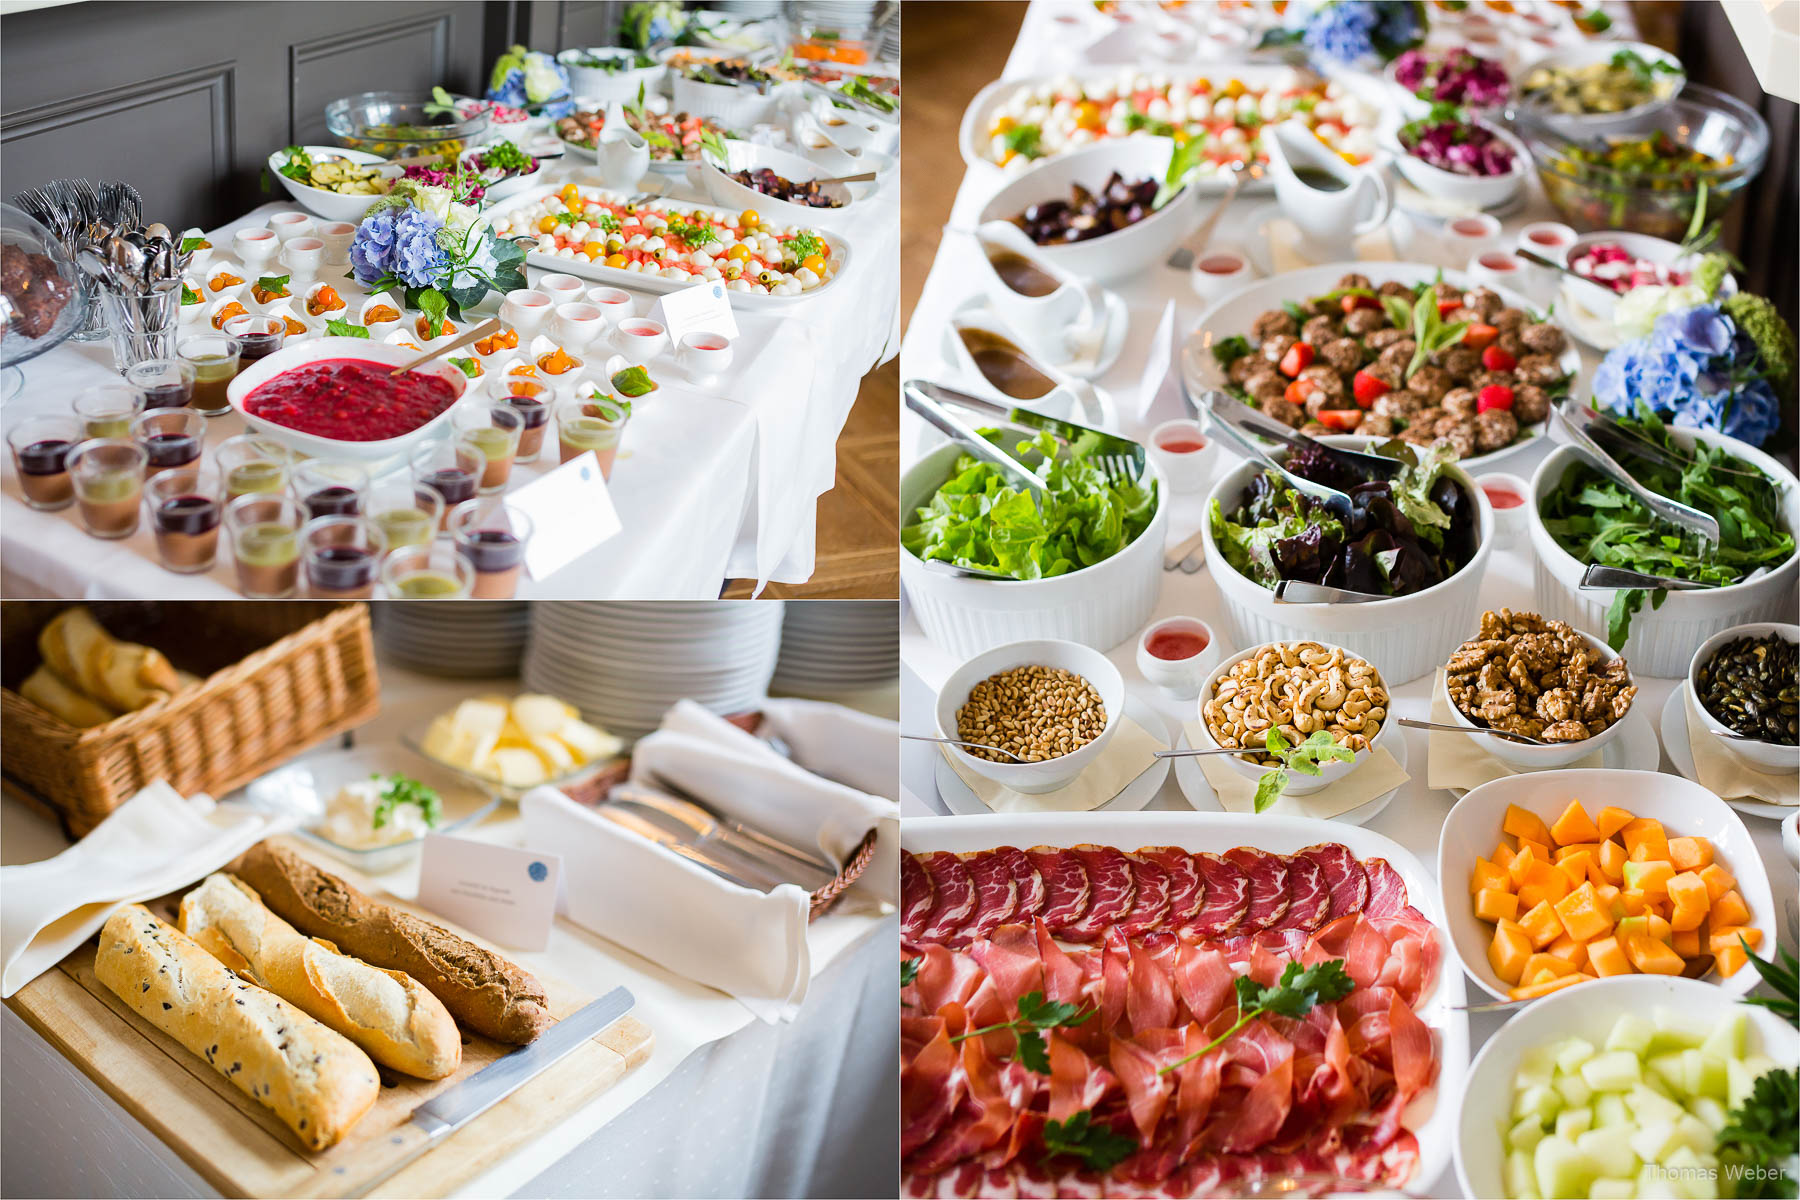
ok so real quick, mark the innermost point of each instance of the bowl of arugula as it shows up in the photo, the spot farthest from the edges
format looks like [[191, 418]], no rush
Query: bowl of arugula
[[1579, 516], [1085, 561]]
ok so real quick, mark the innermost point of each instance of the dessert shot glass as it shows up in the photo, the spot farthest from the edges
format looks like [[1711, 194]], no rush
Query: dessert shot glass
[[171, 437], [107, 410], [108, 474], [214, 358], [251, 463], [186, 507], [428, 571], [40, 449], [341, 557], [165, 382], [593, 423], [492, 430], [408, 513], [450, 469], [492, 536], [263, 529], [329, 489]]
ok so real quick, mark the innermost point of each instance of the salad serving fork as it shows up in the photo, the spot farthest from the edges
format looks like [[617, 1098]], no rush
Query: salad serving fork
[[1120, 459]]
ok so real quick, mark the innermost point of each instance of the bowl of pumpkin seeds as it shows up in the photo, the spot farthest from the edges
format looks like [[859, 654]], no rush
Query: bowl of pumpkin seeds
[[1746, 686], [336, 184]]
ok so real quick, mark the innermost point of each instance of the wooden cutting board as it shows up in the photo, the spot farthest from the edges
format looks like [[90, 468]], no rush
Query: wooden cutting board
[[242, 1149]]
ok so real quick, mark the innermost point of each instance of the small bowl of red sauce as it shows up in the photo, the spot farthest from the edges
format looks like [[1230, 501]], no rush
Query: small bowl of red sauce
[[1177, 654], [336, 397], [1508, 496], [1184, 453]]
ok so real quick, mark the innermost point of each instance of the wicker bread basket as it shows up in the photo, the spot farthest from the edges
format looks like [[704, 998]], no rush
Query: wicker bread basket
[[276, 678]]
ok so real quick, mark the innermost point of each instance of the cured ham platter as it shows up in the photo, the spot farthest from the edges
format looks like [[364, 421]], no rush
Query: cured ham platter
[[1163, 1004]]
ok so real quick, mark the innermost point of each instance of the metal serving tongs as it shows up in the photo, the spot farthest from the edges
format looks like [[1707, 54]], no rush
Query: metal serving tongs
[[1216, 403], [1225, 408], [1120, 459], [922, 397], [1575, 422]]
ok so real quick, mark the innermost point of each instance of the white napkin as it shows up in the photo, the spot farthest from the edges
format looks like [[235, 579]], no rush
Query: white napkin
[[749, 944], [1159, 386], [152, 844], [1131, 752]]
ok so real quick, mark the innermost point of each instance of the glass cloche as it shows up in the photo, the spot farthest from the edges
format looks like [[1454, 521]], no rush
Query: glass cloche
[[40, 294]]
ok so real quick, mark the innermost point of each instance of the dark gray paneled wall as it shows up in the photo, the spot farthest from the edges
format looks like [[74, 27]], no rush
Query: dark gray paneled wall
[[186, 101]]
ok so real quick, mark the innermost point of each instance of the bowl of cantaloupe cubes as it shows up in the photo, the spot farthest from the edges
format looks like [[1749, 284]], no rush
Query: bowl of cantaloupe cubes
[[1555, 878], [1617, 1090]]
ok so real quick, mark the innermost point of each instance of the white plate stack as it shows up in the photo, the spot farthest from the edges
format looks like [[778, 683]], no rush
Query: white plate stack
[[470, 639], [623, 664], [832, 646]]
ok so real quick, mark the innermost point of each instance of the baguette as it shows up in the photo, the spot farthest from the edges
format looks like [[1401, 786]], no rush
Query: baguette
[[313, 1079], [487, 993], [121, 675], [397, 1022]]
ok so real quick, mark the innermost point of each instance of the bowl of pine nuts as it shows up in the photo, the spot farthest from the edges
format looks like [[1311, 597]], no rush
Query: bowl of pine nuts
[[1296, 689], [1053, 703]]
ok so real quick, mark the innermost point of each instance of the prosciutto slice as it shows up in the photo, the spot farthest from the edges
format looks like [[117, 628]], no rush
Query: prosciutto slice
[[916, 896], [1268, 886], [1112, 891], [1345, 879], [1030, 898], [1227, 897], [1150, 899], [955, 896], [1066, 887], [996, 895]]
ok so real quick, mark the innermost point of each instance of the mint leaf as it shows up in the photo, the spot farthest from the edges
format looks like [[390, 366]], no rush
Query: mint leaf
[[191, 244], [345, 329], [633, 382]]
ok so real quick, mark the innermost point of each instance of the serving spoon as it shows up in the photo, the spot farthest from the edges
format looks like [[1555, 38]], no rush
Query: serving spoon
[[919, 737], [1522, 738], [469, 337]]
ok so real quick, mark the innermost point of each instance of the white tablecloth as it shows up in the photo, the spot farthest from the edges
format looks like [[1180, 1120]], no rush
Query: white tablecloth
[[1416, 815], [725, 1106], [714, 482]]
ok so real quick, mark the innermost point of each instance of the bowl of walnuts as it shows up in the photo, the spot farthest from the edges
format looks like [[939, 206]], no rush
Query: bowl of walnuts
[[1531, 675]]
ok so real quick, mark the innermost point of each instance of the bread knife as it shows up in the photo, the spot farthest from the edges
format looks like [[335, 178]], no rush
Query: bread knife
[[460, 1103]]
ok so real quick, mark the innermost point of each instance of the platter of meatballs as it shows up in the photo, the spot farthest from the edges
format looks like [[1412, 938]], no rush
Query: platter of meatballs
[[1388, 350]]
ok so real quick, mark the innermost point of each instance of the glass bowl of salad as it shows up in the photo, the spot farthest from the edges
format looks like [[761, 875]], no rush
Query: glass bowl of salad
[[399, 125], [1648, 176]]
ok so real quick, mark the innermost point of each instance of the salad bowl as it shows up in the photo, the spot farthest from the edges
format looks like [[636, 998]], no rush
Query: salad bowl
[[323, 202], [1662, 638]]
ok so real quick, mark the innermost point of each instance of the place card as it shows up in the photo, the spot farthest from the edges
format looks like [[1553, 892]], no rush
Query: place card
[[571, 512], [502, 893], [698, 308], [1159, 396]]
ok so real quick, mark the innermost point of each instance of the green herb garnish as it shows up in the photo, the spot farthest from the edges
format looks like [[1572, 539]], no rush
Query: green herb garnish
[[1036, 1014], [909, 971], [189, 295], [1305, 758], [857, 88], [400, 789], [1783, 974], [1024, 140], [273, 283], [345, 329], [504, 156], [1182, 165], [467, 366], [191, 244], [802, 246], [633, 382], [1228, 350], [298, 165], [1430, 334], [1097, 1146], [1293, 995], [1760, 1134], [693, 234]]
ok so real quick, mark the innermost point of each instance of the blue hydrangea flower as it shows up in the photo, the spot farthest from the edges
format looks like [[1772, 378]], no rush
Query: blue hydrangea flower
[[1704, 330], [418, 259], [1341, 33], [511, 92], [372, 246]]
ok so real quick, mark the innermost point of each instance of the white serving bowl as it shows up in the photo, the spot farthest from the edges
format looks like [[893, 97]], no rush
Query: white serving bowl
[[1469, 191], [1686, 809], [1590, 310], [1098, 606], [1047, 776], [1297, 784], [318, 349], [603, 87], [1587, 1012], [1123, 253], [735, 107], [1764, 756], [1544, 758], [710, 175], [1403, 636], [332, 206], [1662, 640], [1586, 53]]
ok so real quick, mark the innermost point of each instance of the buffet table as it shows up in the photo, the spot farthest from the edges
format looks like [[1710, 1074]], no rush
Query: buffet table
[[1416, 814], [722, 485], [787, 1109]]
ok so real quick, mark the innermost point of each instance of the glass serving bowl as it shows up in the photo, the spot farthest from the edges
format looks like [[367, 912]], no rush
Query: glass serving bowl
[[1590, 196], [395, 125]]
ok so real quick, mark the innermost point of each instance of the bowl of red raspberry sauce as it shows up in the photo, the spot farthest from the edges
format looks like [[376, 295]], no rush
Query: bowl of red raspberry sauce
[[337, 397]]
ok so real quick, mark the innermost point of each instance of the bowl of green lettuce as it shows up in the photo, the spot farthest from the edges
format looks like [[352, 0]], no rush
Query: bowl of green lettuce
[[1085, 561]]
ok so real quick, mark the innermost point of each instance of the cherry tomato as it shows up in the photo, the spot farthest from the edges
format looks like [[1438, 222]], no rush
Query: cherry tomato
[[749, 219], [814, 263], [1367, 388], [615, 260], [1087, 115], [1297, 359], [547, 225], [593, 250], [571, 195], [738, 252], [1496, 359], [1344, 419]]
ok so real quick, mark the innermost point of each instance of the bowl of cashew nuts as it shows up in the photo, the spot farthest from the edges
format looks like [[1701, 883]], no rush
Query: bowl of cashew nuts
[[1297, 688]]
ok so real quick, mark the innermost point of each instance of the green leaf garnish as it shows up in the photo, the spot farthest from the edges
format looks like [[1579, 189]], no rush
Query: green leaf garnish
[[1035, 1015], [633, 382], [1098, 1147], [338, 328], [401, 789], [1293, 995]]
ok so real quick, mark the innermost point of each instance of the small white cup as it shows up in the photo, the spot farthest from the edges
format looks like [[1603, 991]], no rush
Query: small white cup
[[577, 325], [1185, 470], [1509, 496], [1546, 239], [561, 288], [1179, 677], [303, 256], [290, 225], [336, 235], [615, 303], [640, 340], [1467, 237], [1497, 268], [526, 310], [704, 355], [255, 246], [1218, 274]]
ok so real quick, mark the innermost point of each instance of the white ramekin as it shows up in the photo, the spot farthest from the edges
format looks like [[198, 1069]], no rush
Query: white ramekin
[[1561, 754], [1179, 677], [1047, 776], [1404, 636], [1764, 756], [1662, 640], [1099, 606]]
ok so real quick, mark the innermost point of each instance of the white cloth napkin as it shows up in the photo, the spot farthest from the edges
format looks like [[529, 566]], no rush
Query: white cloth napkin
[[152, 844], [1131, 752], [1159, 386], [750, 944]]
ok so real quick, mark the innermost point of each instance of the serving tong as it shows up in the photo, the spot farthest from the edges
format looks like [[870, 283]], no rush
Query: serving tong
[[1576, 421], [1234, 427]]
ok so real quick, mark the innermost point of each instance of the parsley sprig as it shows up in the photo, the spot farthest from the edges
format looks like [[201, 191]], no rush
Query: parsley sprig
[[400, 789], [1036, 1014], [1305, 758], [909, 971], [803, 245], [693, 234], [1293, 995], [1097, 1146], [1760, 1132]]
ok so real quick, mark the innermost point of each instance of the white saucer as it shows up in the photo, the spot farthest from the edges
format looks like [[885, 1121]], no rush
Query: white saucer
[[1118, 324], [962, 801], [1681, 757], [1199, 793], [1635, 746]]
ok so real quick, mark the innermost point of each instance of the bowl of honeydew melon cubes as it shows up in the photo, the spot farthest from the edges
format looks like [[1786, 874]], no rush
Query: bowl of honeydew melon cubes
[[511, 745], [1620, 1089]]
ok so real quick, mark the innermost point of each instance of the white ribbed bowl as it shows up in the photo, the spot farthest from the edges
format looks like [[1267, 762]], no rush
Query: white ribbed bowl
[[1099, 606], [1051, 774], [736, 108], [1662, 640], [1404, 636]]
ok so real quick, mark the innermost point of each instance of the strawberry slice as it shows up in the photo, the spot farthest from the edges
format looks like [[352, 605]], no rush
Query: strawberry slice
[[1298, 391], [1496, 359], [1480, 337], [1345, 419]]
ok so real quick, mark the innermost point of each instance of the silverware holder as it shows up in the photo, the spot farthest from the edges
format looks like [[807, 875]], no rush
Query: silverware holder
[[143, 325]]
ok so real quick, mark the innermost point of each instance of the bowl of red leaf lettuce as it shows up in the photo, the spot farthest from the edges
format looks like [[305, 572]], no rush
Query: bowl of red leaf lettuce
[[1085, 560], [1579, 516], [1422, 540]]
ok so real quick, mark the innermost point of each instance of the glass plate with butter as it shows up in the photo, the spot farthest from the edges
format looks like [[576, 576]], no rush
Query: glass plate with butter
[[508, 745]]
